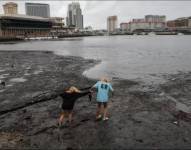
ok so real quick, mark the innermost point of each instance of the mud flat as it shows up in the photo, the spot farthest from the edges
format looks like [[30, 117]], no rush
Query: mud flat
[[142, 115]]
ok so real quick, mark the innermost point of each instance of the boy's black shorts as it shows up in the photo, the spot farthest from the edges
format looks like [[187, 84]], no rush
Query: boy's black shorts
[[102, 103]]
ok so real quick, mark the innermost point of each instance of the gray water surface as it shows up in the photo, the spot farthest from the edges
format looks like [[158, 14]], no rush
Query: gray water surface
[[128, 57]]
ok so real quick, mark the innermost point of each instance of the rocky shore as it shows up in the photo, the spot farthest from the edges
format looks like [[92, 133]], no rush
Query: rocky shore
[[151, 116]]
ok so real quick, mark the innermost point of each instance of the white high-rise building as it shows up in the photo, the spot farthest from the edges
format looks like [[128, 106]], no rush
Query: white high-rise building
[[37, 9], [74, 15]]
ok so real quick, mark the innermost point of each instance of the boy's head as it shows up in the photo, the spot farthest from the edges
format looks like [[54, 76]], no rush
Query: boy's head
[[104, 79], [73, 89]]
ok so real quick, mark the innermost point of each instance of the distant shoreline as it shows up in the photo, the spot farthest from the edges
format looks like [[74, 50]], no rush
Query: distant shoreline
[[75, 36]]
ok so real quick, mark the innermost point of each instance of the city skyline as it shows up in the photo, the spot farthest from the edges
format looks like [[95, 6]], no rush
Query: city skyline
[[96, 12]]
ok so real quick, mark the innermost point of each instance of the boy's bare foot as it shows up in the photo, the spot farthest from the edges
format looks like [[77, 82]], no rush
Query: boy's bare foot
[[105, 118], [98, 117]]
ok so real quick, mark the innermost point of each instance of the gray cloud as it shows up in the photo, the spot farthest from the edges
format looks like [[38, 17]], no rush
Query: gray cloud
[[96, 12]]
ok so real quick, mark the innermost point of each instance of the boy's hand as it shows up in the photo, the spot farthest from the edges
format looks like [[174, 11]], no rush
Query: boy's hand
[[112, 94], [90, 96]]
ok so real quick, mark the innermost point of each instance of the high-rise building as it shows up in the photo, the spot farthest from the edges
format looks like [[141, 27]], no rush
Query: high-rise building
[[10, 8], [111, 23], [74, 15], [37, 9]]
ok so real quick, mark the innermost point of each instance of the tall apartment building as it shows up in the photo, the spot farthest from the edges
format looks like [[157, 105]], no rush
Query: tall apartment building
[[74, 16], [10, 8], [111, 23], [37, 9]]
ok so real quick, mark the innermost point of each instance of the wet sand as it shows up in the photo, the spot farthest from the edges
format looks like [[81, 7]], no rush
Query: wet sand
[[142, 115]]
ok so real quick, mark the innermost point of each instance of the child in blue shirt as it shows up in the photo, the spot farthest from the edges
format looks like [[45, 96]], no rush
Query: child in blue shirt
[[103, 87]]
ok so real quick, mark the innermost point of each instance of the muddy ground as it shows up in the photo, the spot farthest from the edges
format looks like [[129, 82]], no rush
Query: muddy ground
[[154, 116]]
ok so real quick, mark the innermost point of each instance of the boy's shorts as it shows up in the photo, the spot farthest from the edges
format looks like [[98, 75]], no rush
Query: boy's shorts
[[102, 103]]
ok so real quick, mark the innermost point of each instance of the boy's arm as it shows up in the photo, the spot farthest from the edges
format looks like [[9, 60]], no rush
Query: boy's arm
[[95, 85], [111, 89], [87, 88], [81, 94]]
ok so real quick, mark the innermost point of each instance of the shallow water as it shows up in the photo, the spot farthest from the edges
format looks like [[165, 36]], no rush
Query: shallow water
[[128, 57], [18, 80]]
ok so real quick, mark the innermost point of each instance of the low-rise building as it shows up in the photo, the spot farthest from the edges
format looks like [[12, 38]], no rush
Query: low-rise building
[[155, 18], [124, 26], [57, 22], [146, 25], [150, 22], [179, 23], [24, 26]]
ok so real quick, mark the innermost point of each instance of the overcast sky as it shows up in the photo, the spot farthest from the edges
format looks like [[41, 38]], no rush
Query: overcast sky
[[96, 12]]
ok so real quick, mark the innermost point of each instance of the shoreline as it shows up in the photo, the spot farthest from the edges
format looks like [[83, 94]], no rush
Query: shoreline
[[149, 116]]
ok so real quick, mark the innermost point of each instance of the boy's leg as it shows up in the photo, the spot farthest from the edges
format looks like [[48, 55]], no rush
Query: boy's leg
[[98, 112], [105, 115], [61, 119], [70, 116]]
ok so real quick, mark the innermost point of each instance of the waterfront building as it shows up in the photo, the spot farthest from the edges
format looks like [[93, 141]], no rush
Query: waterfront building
[[57, 22], [138, 20], [58, 26], [146, 26], [155, 18], [12, 26], [150, 22], [111, 23], [171, 24], [88, 28], [74, 15], [37, 9], [10, 8], [179, 23], [124, 26]]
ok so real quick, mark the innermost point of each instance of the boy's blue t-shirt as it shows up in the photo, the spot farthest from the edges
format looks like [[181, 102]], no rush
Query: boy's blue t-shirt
[[103, 91]]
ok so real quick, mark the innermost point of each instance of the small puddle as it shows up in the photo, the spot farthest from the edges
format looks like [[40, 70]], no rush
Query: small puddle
[[2, 70], [18, 80], [2, 91], [5, 102], [27, 74], [2, 76], [9, 85], [28, 68], [38, 72], [180, 106]]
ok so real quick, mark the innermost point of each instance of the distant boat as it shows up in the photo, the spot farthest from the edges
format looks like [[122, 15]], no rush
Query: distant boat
[[180, 33], [151, 33], [166, 33]]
